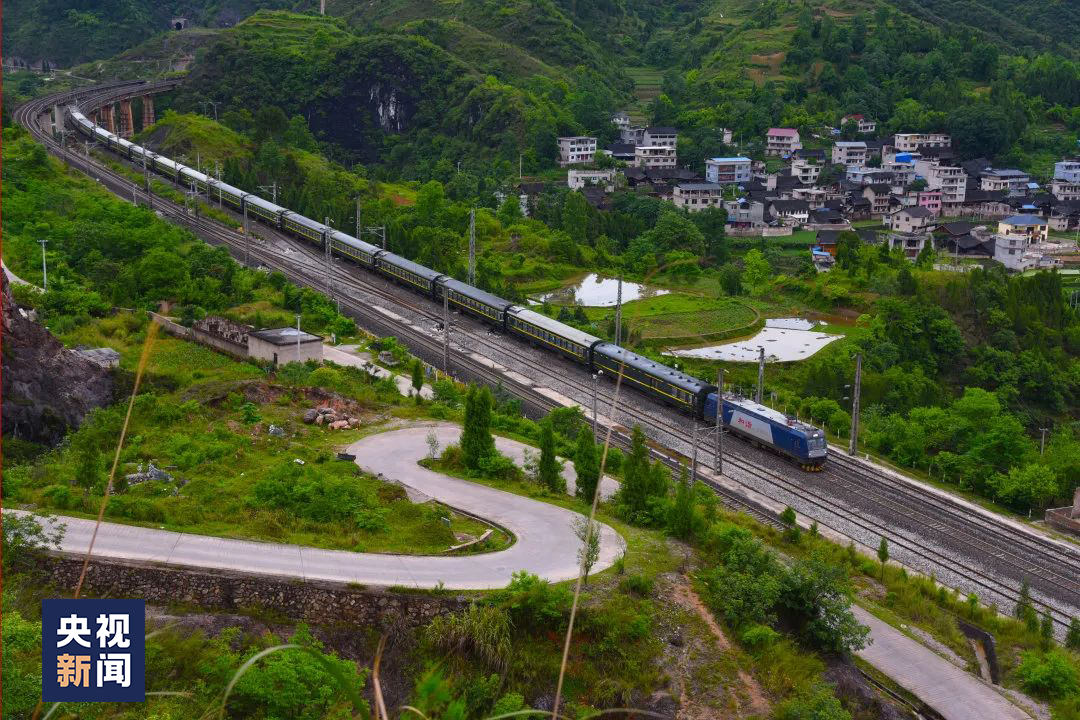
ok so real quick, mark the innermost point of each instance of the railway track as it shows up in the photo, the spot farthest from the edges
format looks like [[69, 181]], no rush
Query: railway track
[[976, 552]]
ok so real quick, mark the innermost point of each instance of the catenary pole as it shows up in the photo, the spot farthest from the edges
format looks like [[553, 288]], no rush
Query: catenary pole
[[853, 441], [719, 422]]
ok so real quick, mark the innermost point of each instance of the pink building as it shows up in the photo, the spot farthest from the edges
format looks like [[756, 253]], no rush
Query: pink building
[[931, 200], [782, 141]]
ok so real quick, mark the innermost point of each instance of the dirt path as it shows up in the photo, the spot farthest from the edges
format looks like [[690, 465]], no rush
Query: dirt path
[[753, 698]]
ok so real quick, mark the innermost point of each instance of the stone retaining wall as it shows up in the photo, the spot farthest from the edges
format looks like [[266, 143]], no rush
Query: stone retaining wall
[[314, 602]]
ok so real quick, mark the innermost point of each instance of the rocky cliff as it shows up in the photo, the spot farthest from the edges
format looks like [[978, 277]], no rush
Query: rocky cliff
[[47, 389]]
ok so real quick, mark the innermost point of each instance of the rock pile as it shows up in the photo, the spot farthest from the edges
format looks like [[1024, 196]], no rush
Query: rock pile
[[330, 418]]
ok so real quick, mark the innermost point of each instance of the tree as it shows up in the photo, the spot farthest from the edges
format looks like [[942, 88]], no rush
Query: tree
[[756, 272], [476, 440], [817, 595], [548, 472], [883, 555], [1031, 486], [1024, 609], [1046, 630], [25, 536], [681, 515], [847, 250], [905, 281], [509, 211], [634, 491], [88, 472], [817, 703], [730, 280], [1072, 637], [588, 532], [417, 376], [586, 465], [575, 217]]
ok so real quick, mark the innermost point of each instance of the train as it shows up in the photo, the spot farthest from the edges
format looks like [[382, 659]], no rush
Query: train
[[760, 425]]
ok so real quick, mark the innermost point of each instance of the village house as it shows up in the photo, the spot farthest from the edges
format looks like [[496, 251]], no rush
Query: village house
[[621, 120], [745, 213], [1036, 229], [864, 125], [849, 154], [910, 243], [879, 196], [949, 179], [915, 142], [694, 197], [914, 219], [1067, 170], [1014, 182], [1065, 189], [868, 175], [578, 179], [658, 156], [963, 241], [929, 199], [728, 170], [660, 137], [576, 150], [790, 212], [805, 171], [782, 141]]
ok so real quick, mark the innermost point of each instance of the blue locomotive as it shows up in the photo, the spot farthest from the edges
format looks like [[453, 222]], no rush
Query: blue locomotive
[[760, 425]]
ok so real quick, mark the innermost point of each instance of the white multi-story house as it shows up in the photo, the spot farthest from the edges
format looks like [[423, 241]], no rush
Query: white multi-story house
[[911, 142], [576, 150], [865, 126], [1010, 249], [782, 141], [903, 172], [694, 197], [1067, 170], [743, 213], [660, 137], [621, 120], [1014, 182], [849, 154], [577, 179], [950, 180], [867, 175], [654, 156], [805, 171], [728, 170], [1065, 189]]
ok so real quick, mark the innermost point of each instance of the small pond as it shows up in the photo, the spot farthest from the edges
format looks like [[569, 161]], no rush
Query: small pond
[[599, 291]]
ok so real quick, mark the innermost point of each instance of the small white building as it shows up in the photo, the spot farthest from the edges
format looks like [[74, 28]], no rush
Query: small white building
[[694, 197], [728, 170], [660, 137], [1065, 189], [864, 125], [849, 154], [654, 156], [577, 179], [576, 150], [913, 219], [621, 120], [284, 345]]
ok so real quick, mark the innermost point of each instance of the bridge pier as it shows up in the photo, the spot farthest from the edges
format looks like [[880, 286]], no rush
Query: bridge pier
[[127, 120], [148, 117], [107, 116]]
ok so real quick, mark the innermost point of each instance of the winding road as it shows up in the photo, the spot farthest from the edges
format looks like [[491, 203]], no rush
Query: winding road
[[545, 541]]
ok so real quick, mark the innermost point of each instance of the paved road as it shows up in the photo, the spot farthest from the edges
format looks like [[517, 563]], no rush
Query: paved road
[[952, 692], [347, 355], [546, 544]]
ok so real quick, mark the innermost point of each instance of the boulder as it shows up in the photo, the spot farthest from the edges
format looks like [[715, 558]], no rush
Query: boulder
[[325, 411], [276, 431], [320, 419], [339, 425], [310, 415], [354, 422]]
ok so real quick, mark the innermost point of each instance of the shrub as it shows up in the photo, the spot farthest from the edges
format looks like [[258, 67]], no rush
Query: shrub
[[758, 637], [481, 632], [1049, 675], [639, 585], [534, 604]]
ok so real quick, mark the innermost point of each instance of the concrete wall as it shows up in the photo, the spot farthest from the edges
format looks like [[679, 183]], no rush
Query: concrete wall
[[174, 329], [221, 344], [314, 602]]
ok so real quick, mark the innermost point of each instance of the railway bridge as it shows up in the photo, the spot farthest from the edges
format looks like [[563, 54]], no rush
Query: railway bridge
[[111, 106]]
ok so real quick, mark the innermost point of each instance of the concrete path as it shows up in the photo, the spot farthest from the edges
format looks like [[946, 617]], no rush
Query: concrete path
[[12, 277], [346, 355], [952, 692], [545, 541]]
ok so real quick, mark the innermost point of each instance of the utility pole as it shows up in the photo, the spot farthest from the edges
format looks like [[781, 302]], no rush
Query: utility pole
[[146, 177], [298, 338], [720, 423], [1042, 441], [272, 187], [134, 193], [322, 7], [693, 456], [760, 374], [326, 253], [472, 246], [247, 238], [595, 392], [358, 231], [853, 442], [446, 332], [44, 268], [217, 174], [618, 313], [520, 156]]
